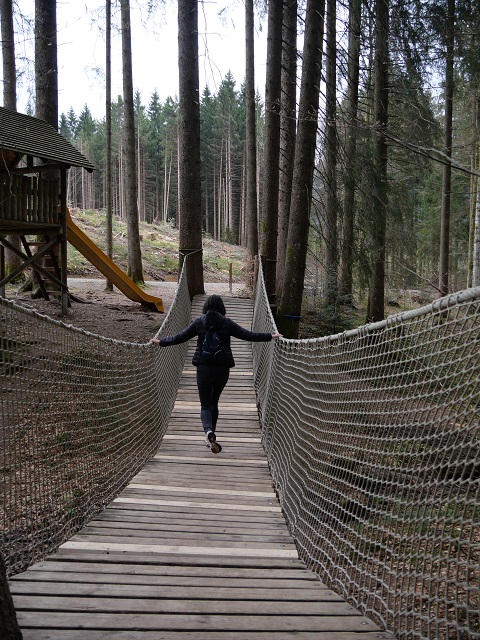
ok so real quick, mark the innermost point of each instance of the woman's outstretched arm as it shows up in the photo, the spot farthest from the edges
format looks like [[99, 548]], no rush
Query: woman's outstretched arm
[[187, 334], [252, 336]]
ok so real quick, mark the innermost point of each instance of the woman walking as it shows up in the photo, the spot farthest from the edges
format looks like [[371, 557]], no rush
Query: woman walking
[[213, 358]]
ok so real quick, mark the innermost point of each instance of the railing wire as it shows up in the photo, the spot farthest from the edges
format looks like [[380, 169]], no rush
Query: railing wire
[[374, 446], [81, 415]]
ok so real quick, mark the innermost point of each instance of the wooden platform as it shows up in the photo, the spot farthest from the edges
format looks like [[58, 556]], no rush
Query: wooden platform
[[195, 547]]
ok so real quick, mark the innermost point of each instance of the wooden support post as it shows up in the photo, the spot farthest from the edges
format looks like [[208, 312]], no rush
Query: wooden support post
[[2, 270], [63, 245], [255, 275]]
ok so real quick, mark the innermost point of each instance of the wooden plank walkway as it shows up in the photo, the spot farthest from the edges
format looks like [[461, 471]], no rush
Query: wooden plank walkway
[[195, 547]]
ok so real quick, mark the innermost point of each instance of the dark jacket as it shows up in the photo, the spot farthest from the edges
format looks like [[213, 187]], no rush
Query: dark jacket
[[225, 327]]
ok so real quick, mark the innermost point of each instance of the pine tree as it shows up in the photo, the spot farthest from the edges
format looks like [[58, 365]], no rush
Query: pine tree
[[376, 302], [8, 55], [46, 71], [287, 131], [349, 173], [331, 202], [190, 207], [251, 149], [108, 136], [12, 261], [155, 153], [447, 169], [208, 133], [299, 222], [134, 270], [269, 210]]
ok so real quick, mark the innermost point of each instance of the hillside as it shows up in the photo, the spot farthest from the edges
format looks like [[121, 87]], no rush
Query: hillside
[[159, 243]]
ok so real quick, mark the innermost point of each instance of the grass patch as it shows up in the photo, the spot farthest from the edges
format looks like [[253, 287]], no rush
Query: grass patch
[[159, 244]]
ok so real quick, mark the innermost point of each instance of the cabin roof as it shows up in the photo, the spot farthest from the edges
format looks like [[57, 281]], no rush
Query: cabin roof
[[34, 137]]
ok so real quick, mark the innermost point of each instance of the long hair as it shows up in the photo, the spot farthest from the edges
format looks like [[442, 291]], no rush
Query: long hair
[[214, 303]]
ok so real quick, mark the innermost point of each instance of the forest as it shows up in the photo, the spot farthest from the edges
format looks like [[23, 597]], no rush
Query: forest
[[355, 173], [222, 118]]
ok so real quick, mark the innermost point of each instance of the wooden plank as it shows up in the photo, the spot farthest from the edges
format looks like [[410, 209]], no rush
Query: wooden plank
[[30, 588], [212, 606], [180, 438], [128, 526], [105, 634], [248, 552], [208, 460], [172, 559], [185, 528], [169, 510], [185, 525], [199, 505], [158, 622], [224, 406], [103, 577], [232, 453], [170, 513], [140, 535], [186, 479], [72, 567], [225, 495]]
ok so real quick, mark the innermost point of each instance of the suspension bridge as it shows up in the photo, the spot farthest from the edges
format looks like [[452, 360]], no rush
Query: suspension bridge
[[345, 503]]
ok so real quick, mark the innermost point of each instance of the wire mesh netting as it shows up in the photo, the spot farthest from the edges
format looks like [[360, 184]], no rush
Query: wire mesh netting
[[81, 414], [374, 445]]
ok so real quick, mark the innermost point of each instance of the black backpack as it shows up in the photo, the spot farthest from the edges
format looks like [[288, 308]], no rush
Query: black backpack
[[212, 346]]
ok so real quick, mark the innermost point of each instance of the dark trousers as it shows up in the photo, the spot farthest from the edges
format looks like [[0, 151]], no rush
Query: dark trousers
[[211, 381]]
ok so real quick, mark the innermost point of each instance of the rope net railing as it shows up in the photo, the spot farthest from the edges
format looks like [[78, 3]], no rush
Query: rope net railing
[[81, 415], [373, 442]]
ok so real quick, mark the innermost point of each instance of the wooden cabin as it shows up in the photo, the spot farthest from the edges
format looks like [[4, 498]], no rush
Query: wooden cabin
[[34, 160]]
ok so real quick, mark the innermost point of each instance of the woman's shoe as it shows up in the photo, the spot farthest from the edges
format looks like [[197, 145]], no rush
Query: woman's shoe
[[212, 439]]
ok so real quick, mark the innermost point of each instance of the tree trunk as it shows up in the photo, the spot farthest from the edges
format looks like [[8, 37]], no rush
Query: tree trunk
[[214, 199], [346, 263], [473, 191], [46, 85], [46, 72], [219, 195], [251, 142], [108, 134], [376, 306], [475, 224], [299, 222], [476, 262], [12, 261], [229, 178], [287, 131], [190, 204], [8, 56], [269, 218], [140, 204], [331, 203], [134, 269], [447, 168]]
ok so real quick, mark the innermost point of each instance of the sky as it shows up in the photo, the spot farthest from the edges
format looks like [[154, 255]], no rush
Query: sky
[[81, 51]]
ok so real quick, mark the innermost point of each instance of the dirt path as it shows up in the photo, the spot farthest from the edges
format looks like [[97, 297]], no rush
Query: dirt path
[[111, 314]]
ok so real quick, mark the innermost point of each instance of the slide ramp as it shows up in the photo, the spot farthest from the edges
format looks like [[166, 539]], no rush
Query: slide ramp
[[108, 268]]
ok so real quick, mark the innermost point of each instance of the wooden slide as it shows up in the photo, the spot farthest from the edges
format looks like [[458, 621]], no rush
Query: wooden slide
[[102, 262]]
